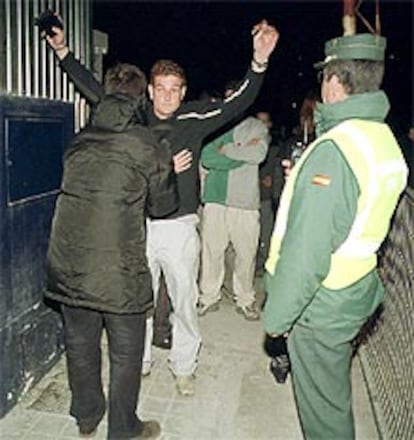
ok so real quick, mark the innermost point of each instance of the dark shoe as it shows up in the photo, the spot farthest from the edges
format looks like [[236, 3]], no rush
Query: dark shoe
[[150, 430], [259, 272], [249, 312], [163, 340], [87, 432], [202, 309]]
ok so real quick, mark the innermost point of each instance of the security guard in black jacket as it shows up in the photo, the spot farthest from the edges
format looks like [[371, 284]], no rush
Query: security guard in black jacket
[[115, 174]]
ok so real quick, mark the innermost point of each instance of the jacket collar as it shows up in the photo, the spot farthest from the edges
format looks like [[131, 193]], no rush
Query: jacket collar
[[373, 106]]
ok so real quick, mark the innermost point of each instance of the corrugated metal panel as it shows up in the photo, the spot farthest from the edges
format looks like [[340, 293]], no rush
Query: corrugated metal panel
[[30, 68]]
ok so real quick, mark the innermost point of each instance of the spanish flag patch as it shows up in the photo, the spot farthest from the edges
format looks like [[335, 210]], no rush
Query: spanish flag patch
[[321, 180]]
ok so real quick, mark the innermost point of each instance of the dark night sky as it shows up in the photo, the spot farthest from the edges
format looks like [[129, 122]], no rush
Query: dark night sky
[[212, 41]]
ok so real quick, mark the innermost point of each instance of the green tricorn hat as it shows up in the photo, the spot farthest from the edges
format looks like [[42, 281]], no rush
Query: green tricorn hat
[[354, 47]]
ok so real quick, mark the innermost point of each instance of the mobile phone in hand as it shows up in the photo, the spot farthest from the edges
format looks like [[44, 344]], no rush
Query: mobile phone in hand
[[46, 21]]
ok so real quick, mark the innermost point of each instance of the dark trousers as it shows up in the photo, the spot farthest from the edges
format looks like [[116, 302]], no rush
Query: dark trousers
[[126, 334], [321, 373]]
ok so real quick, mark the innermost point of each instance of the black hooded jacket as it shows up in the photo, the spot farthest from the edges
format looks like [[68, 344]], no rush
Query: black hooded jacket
[[115, 174]]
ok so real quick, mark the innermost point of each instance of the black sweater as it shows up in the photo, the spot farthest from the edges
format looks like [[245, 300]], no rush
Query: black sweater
[[186, 129]]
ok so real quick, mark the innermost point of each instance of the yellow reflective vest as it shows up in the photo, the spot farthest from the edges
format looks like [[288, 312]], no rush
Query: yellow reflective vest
[[378, 165]]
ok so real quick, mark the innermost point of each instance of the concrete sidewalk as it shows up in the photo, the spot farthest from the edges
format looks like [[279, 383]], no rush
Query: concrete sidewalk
[[236, 396]]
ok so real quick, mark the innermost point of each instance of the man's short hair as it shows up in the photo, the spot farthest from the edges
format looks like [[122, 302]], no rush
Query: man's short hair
[[357, 76], [125, 78], [167, 67]]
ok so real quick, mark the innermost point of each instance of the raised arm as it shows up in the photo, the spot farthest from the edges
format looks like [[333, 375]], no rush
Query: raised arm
[[213, 115], [265, 38], [82, 78]]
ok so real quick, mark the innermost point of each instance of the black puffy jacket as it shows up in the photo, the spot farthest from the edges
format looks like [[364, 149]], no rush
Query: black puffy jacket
[[115, 174]]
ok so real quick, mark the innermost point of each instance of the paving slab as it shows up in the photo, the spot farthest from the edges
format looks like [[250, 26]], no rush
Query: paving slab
[[236, 397]]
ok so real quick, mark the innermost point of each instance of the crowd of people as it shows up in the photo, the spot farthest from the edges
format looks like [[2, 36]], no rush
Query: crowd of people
[[129, 211]]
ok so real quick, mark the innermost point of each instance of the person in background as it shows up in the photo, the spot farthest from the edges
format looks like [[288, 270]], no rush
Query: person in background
[[173, 243], [231, 213], [307, 116], [335, 211], [270, 184], [115, 174], [303, 133]]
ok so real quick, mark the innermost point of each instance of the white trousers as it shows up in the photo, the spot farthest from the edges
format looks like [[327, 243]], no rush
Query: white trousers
[[221, 225], [173, 246]]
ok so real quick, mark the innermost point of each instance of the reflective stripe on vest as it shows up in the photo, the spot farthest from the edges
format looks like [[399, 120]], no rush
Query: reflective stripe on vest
[[377, 163]]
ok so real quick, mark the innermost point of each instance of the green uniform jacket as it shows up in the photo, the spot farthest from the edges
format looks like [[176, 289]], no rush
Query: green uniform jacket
[[319, 220]]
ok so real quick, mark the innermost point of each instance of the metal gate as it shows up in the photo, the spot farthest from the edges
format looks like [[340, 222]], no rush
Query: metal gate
[[28, 67], [39, 112]]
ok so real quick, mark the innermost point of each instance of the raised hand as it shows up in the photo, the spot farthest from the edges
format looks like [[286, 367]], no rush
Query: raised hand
[[265, 38], [58, 40]]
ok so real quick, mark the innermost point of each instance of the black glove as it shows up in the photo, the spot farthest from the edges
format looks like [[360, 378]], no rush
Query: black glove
[[276, 348]]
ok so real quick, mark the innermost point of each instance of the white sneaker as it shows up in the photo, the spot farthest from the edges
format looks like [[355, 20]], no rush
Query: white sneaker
[[185, 385], [146, 369], [249, 312], [202, 309]]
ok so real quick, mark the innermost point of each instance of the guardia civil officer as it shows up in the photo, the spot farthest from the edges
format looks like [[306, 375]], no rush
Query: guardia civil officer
[[322, 282]]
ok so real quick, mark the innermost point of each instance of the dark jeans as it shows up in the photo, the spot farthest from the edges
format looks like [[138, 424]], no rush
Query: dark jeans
[[126, 334]]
